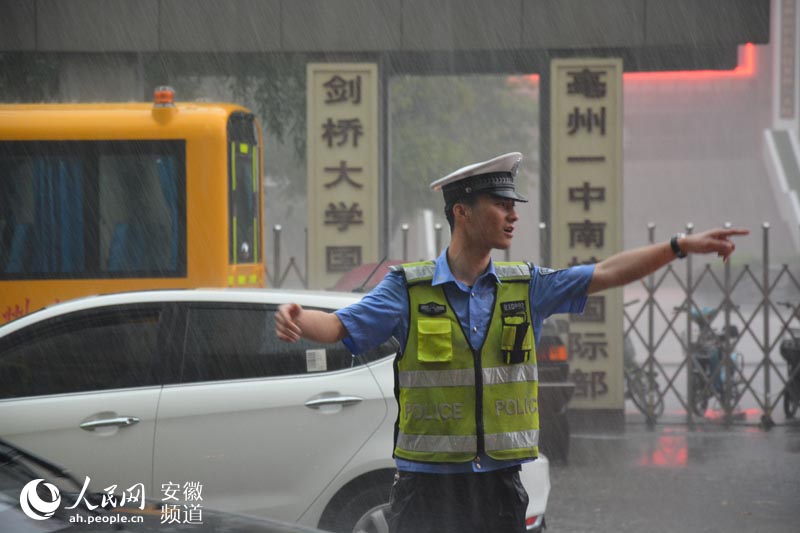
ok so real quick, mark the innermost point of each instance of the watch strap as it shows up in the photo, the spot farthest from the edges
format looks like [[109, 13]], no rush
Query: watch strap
[[673, 242]]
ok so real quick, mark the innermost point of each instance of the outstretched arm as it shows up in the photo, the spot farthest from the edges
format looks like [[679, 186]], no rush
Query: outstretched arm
[[631, 265], [293, 322]]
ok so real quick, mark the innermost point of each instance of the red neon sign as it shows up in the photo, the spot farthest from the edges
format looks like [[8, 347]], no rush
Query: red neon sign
[[745, 69]]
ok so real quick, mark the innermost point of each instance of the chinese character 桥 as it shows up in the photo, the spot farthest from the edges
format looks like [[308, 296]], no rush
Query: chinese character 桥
[[341, 130]]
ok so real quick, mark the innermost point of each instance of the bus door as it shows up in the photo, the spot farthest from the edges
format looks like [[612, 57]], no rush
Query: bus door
[[245, 253]]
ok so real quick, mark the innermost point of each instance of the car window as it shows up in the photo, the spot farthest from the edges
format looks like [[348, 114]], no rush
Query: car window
[[231, 341], [86, 351]]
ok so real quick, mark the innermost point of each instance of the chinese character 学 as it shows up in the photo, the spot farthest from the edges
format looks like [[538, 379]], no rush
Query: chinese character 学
[[343, 216]]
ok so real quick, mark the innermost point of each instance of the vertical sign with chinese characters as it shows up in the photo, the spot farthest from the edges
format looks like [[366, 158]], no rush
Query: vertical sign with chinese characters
[[343, 217], [586, 221]]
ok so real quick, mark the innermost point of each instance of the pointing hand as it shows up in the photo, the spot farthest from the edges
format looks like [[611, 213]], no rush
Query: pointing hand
[[712, 241]]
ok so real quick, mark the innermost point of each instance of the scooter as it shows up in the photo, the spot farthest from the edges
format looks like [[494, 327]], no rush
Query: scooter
[[790, 351], [711, 376]]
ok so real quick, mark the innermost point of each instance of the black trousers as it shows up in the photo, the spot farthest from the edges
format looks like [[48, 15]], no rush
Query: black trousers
[[490, 502]]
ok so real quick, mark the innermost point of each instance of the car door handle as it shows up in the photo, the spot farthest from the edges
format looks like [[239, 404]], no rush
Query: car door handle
[[333, 400], [120, 421]]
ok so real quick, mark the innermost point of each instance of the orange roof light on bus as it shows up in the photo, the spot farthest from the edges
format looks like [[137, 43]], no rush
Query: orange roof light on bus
[[164, 96]]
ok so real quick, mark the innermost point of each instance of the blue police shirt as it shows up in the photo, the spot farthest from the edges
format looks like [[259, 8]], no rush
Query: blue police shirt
[[384, 312]]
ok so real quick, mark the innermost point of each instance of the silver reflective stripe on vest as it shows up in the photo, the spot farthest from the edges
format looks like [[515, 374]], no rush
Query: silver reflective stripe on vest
[[419, 272], [513, 440], [513, 271], [437, 443], [413, 379], [510, 374]]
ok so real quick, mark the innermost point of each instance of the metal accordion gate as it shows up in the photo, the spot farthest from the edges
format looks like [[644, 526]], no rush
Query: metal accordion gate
[[714, 343]]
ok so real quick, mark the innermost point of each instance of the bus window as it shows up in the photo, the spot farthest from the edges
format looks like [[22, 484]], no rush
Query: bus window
[[101, 198], [92, 209], [244, 201], [140, 212]]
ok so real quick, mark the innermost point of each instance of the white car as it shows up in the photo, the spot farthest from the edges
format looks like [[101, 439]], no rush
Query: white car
[[192, 386]]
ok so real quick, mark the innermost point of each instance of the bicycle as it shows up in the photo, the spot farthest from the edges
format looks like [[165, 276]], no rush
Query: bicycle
[[641, 385], [714, 373], [790, 351]]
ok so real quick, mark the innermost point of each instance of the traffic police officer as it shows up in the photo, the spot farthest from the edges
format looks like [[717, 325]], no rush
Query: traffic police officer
[[466, 379]]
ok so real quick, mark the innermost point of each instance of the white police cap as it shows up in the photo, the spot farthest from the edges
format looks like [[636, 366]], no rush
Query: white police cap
[[495, 176]]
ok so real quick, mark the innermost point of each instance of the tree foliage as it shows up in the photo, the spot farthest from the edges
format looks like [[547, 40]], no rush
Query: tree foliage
[[441, 123], [271, 85], [28, 77]]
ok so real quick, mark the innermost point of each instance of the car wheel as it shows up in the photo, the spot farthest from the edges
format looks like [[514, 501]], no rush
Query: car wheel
[[360, 505], [373, 521]]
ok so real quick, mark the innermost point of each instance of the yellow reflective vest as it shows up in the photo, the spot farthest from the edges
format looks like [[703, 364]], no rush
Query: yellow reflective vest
[[457, 401]]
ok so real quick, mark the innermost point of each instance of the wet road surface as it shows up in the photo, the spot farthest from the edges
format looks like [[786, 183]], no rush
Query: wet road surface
[[712, 479]]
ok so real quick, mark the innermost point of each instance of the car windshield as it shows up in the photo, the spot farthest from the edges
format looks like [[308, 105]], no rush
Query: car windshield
[[19, 468]]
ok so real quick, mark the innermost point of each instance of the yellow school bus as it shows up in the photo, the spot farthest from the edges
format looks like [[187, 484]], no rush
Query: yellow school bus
[[98, 198]]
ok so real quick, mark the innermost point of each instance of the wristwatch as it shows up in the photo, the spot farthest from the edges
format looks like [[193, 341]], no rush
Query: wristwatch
[[673, 242]]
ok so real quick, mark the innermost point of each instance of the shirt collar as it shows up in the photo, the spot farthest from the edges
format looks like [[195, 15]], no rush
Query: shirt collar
[[442, 273]]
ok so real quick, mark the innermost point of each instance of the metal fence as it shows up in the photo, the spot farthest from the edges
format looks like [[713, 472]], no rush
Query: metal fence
[[277, 273], [747, 372]]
